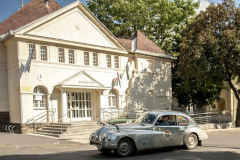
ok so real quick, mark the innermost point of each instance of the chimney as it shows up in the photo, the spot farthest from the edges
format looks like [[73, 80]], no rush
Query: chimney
[[21, 3], [46, 2]]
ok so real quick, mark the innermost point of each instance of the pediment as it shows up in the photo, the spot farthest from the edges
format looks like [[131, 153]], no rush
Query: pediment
[[81, 79]]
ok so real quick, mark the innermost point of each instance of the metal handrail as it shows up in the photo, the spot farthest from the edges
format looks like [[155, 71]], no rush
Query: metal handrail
[[34, 119], [63, 118]]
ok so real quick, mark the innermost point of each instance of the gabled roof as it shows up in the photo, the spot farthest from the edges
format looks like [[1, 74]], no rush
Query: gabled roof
[[140, 43], [34, 10]]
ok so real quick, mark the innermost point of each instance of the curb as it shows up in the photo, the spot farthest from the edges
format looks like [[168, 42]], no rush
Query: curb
[[222, 130], [51, 145]]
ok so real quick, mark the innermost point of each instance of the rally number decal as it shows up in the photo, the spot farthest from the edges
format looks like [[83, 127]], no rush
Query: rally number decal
[[167, 134]]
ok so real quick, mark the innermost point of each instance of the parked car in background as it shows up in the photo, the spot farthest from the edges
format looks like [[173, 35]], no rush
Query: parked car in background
[[155, 129]]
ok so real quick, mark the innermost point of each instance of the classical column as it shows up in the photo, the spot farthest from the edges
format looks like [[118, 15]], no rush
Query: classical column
[[64, 102]]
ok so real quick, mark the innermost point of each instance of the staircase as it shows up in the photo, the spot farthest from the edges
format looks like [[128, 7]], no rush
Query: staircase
[[77, 131]]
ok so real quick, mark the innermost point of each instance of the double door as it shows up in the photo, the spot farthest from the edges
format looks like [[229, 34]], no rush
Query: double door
[[79, 105]]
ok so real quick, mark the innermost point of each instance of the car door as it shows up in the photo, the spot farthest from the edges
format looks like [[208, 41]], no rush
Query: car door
[[183, 123], [167, 135]]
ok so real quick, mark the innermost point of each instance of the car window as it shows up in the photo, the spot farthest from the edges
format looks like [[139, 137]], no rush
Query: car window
[[146, 118], [166, 120], [183, 121]]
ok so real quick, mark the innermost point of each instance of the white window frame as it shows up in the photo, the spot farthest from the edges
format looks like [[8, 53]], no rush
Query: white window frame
[[71, 58], [43, 54], [112, 99], [30, 47], [61, 56], [150, 66], [116, 61], [86, 58], [109, 61], [95, 59], [39, 98]]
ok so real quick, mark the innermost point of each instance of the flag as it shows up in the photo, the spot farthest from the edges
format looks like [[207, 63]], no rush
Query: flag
[[127, 70], [119, 79], [114, 82], [27, 65]]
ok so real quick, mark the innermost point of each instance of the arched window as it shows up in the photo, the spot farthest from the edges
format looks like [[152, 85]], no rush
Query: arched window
[[39, 97], [112, 99]]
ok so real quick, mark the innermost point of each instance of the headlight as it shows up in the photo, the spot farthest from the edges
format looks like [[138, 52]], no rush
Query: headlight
[[102, 136], [107, 139]]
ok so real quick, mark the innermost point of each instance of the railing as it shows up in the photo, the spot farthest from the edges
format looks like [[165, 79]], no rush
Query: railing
[[224, 116], [66, 118], [39, 117], [107, 114]]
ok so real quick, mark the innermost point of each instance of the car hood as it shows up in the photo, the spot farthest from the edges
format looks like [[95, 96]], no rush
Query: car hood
[[123, 127]]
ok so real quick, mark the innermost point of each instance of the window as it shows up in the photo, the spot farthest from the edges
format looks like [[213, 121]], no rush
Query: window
[[39, 98], [32, 49], [86, 58], [150, 66], [71, 56], [95, 59], [61, 57], [116, 62], [183, 121], [112, 99], [109, 61], [166, 120], [43, 53]]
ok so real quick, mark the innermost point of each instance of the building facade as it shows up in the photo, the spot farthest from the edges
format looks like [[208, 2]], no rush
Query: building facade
[[78, 68]]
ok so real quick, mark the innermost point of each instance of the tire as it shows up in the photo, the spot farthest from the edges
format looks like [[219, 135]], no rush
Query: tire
[[125, 147], [191, 142], [105, 151]]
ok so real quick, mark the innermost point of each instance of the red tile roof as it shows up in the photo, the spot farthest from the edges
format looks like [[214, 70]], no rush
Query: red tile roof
[[34, 10], [143, 44]]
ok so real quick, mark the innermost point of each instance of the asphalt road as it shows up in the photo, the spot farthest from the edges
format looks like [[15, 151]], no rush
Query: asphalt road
[[223, 145]]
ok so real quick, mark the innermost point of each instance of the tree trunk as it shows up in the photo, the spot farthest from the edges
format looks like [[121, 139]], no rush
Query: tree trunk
[[238, 115]]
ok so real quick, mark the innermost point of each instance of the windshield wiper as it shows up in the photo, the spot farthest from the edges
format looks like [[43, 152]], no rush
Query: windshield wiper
[[116, 126]]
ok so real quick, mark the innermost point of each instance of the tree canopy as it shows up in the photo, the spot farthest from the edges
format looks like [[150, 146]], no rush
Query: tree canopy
[[210, 49], [161, 20]]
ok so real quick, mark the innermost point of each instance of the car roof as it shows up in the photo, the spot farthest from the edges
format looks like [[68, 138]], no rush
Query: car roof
[[167, 112]]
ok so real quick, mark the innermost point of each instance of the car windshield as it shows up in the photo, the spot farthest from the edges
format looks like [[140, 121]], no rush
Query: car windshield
[[146, 118]]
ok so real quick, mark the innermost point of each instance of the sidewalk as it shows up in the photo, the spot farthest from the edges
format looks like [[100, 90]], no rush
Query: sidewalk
[[222, 130], [9, 140]]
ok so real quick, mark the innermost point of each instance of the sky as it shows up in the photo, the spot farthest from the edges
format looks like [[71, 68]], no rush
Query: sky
[[8, 7]]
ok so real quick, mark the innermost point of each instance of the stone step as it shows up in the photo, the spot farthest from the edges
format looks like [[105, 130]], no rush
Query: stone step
[[49, 131], [57, 126], [47, 134], [54, 128], [83, 128], [77, 133]]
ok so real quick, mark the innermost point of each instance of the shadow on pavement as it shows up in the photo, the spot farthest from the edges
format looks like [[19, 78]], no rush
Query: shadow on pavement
[[171, 153]]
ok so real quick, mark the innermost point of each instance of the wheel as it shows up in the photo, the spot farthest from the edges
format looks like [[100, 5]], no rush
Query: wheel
[[192, 141], [105, 151], [125, 147]]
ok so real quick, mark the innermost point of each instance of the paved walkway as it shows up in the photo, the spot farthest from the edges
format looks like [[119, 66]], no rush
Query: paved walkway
[[10, 140]]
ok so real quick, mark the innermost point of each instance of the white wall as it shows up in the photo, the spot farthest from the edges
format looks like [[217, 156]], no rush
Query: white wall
[[4, 106], [13, 81]]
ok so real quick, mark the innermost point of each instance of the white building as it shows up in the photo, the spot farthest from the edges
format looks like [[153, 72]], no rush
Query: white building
[[75, 61]]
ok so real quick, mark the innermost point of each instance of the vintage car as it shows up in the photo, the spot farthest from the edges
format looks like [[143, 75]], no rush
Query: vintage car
[[155, 129]]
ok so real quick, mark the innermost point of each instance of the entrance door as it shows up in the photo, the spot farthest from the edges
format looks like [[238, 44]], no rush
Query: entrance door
[[80, 103]]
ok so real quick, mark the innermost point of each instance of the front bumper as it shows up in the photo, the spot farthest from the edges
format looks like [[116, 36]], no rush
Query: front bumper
[[105, 145]]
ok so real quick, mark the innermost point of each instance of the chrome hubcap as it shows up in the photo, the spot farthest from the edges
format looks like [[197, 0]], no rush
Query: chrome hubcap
[[124, 147], [191, 141]]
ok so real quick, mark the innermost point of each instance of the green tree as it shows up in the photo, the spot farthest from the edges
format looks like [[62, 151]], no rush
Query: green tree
[[210, 49], [161, 20]]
